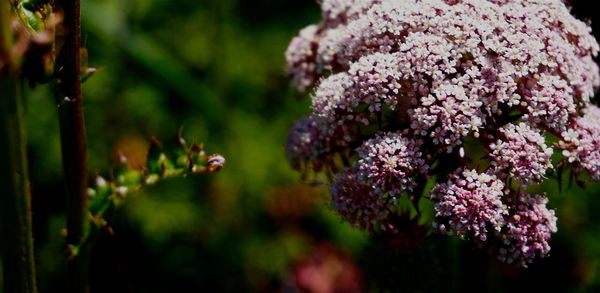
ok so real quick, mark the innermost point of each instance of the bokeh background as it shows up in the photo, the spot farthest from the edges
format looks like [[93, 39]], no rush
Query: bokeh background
[[216, 68]]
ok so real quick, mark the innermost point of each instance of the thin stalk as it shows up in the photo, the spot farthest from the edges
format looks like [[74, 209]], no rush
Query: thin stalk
[[73, 140], [16, 240]]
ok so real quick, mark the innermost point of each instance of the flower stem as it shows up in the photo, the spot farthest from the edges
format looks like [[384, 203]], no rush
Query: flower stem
[[16, 240], [15, 203], [73, 140]]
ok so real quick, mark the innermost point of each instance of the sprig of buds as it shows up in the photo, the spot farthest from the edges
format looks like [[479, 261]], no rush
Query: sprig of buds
[[163, 162]]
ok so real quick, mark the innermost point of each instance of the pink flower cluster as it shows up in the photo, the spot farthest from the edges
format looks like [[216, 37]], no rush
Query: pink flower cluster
[[390, 163], [469, 204], [309, 143], [521, 153], [387, 167], [581, 142], [358, 204], [300, 57], [401, 88], [479, 207], [374, 81], [528, 230]]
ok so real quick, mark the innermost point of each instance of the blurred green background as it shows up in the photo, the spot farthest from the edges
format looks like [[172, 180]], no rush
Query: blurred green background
[[216, 68]]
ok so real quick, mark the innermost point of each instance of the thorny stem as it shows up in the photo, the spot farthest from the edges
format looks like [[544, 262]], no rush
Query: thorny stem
[[16, 240], [74, 153]]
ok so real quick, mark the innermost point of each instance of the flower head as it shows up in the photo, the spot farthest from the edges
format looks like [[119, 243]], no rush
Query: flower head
[[390, 164], [469, 205], [358, 204], [300, 57], [402, 85], [308, 142], [581, 142], [521, 153], [529, 229], [359, 95]]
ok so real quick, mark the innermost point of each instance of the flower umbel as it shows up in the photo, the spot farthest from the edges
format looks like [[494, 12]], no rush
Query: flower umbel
[[469, 204], [528, 230], [521, 154], [390, 163], [404, 88]]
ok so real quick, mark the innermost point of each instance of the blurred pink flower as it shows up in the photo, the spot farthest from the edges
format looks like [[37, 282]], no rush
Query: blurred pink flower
[[328, 270]]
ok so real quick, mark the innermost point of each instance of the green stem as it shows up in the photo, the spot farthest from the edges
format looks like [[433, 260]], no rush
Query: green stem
[[16, 240], [15, 202], [72, 131]]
